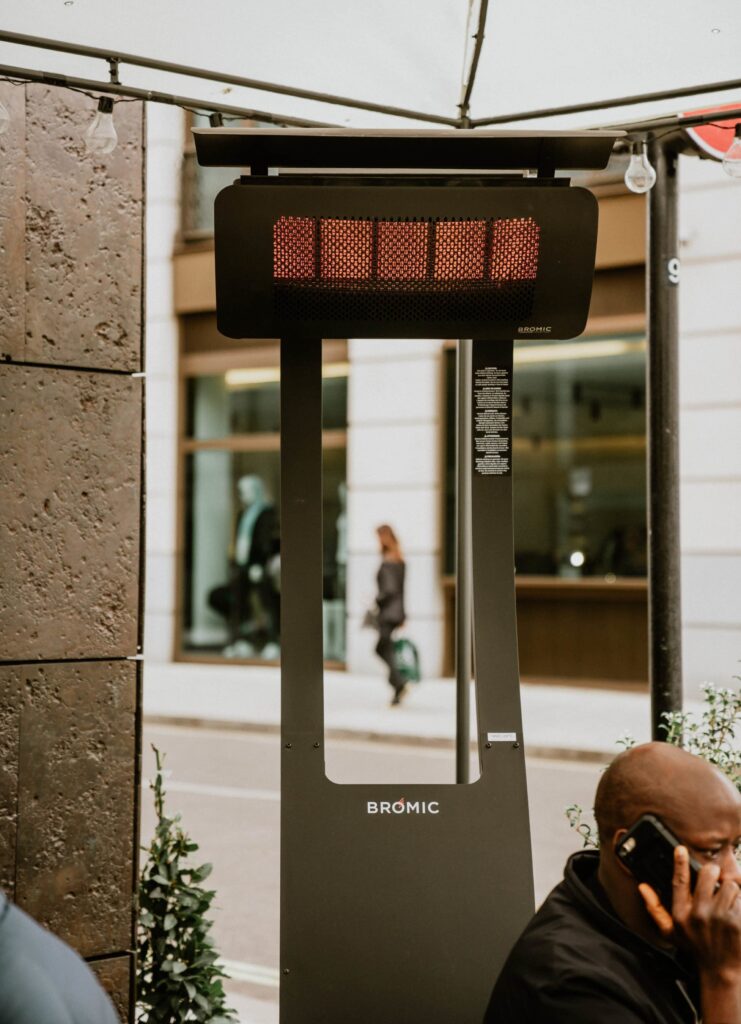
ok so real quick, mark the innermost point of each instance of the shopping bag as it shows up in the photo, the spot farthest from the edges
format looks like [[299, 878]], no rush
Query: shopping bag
[[406, 657]]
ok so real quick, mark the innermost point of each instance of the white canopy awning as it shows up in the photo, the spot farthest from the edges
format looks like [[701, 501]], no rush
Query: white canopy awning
[[413, 54]]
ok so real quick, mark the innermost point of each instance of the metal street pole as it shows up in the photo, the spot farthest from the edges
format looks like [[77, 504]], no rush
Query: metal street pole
[[463, 560], [664, 578]]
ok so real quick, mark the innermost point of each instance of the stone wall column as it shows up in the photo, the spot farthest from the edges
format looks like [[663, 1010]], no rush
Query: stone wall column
[[71, 413]]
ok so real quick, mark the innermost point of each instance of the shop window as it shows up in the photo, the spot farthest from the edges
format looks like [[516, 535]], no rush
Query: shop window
[[247, 401], [579, 459], [201, 185], [231, 472]]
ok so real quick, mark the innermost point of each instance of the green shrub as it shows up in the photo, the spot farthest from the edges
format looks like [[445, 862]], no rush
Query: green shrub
[[711, 736], [178, 977]]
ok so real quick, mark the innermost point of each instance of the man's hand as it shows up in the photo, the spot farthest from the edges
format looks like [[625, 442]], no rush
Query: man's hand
[[706, 923]]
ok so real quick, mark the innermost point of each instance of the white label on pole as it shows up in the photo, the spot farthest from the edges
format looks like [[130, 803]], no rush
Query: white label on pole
[[501, 737], [492, 417]]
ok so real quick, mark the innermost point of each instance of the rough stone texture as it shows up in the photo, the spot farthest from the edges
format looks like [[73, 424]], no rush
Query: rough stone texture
[[10, 687], [76, 792], [13, 221], [114, 974], [71, 285], [69, 523], [81, 284]]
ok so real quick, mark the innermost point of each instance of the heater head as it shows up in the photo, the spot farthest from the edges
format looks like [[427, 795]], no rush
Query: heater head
[[477, 259]]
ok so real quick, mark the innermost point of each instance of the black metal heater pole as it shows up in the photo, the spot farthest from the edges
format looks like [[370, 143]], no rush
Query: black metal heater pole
[[463, 561], [664, 579]]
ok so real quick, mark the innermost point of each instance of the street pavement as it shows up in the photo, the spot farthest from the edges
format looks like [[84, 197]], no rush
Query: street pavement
[[558, 721], [219, 725], [226, 785]]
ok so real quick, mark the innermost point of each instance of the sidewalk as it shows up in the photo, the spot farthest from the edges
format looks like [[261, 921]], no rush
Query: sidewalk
[[558, 721]]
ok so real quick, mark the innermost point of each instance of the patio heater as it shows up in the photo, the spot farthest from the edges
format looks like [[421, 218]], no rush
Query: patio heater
[[401, 902]]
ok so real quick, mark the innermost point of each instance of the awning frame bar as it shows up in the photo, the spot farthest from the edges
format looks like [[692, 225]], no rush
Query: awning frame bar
[[462, 121]]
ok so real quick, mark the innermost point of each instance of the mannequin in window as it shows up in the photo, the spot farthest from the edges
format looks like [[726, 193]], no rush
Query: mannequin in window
[[250, 601], [335, 583], [341, 527]]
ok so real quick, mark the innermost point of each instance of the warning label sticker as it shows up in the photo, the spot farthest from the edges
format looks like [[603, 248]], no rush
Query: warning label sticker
[[492, 413]]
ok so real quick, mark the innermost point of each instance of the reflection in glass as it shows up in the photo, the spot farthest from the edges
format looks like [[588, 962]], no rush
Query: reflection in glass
[[579, 458], [247, 401], [334, 511], [232, 554], [249, 600]]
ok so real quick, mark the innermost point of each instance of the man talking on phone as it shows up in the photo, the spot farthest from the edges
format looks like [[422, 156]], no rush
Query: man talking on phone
[[603, 949]]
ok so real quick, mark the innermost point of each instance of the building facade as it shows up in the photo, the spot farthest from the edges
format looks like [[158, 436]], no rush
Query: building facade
[[579, 446]]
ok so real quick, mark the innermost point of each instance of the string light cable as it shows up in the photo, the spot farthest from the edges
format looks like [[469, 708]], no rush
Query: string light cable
[[640, 175], [732, 158], [101, 137]]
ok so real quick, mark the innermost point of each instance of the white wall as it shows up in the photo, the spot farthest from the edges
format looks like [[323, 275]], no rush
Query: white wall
[[164, 156], [710, 426], [394, 476]]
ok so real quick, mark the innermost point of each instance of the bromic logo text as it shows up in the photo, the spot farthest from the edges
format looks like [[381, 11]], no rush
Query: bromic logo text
[[403, 806]]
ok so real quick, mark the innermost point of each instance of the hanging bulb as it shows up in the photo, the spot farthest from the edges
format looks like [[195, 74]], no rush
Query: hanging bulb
[[732, 159], [4, 119], [101, 136], [640, 176]]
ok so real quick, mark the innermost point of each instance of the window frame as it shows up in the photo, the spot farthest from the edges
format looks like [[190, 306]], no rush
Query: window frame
[[264, 353]]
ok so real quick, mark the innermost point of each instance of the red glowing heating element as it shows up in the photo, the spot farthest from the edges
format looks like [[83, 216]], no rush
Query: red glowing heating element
[[335, 250]]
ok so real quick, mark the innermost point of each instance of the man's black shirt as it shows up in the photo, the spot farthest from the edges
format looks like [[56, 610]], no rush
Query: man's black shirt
[[577, 963]]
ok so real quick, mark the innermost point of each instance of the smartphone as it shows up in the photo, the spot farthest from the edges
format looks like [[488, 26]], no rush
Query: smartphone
[[647, 850]]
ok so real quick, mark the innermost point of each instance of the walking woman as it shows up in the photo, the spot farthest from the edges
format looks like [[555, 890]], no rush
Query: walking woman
[[390, 603]]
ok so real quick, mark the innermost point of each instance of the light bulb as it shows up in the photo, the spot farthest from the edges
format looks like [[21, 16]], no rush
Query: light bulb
[[732, 158], [640, 176], [101, 136], [4, 119]]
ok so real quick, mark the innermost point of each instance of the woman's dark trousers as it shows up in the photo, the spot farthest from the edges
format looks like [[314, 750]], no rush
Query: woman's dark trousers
[[385, 651]]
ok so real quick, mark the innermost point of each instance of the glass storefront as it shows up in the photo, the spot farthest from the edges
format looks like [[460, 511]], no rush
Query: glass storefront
[[201, 185], [231, 474], [579, 458]]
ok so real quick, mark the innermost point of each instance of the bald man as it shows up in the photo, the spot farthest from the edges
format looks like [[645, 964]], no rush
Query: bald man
[[602, 949]]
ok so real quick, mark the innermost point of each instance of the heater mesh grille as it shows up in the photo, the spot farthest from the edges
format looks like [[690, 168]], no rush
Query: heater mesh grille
[[371, 269]]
